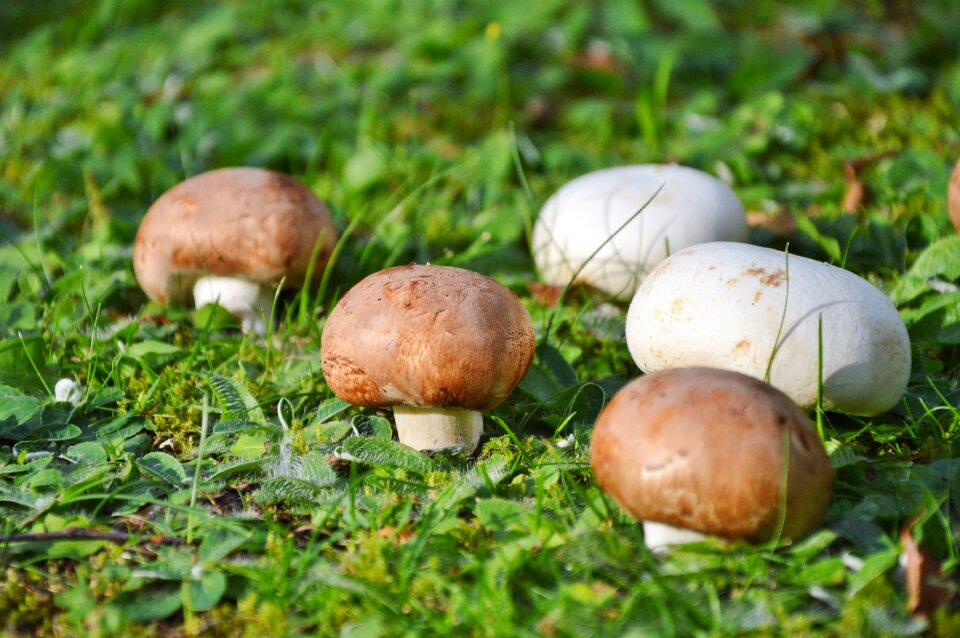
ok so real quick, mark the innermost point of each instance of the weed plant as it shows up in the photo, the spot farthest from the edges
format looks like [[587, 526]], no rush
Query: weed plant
[[208, 483]]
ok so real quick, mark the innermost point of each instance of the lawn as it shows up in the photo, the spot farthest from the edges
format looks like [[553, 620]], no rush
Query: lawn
[[207, 482]]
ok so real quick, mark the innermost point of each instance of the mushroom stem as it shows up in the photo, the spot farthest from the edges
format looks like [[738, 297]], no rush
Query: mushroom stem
[[247, 300], [432, 428], [658, 537]]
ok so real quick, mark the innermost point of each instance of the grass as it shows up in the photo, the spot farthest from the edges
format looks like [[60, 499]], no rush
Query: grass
[[434, 131]]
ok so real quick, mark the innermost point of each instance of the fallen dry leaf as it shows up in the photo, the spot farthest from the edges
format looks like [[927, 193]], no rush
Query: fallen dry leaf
[[545, 294], [783, 222], [928, 587], [855, 192]]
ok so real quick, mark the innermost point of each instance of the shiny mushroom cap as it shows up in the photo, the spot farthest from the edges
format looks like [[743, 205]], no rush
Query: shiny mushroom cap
[[704, 449], [427, 336], [246, 223]]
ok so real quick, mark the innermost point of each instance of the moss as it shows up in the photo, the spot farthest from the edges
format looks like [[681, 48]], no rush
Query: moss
[[173, 409]]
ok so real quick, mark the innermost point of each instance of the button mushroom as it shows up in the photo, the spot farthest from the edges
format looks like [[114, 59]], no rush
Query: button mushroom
[[230, 236], [438, 344], [693, 207], [736, 307], [953, 196], [701, 451]]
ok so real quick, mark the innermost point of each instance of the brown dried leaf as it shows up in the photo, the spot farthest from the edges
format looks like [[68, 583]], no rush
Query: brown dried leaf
[[545, 294], [928, 587], [783, 222], [598, 57], [854, 194]]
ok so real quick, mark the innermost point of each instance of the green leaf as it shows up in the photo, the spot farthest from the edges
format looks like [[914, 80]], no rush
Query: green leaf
[[940, 260], [232, 426], [539, 384], [551, 359], [236, 402], [499, 515], [829, 571], [46, 478], [695, 15], [16, 406], [844, 456], [873, 566], [206, 591], [18, 316], [377, 451], [17, 360], [937, 321], [249, 446], [164, 467], [73, 549], [219, 543], [114, 431], [225, 391], [286, 489], [58, 432], [829, 244], [380, 426], [151, 347], [214, 317], [334, 432], [154, 602], [329, 409], [87, 452], [315, 469], [813, 544], [586, 403], [241, 466]]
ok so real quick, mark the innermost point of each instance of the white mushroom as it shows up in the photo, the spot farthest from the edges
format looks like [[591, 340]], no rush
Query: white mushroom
[[69, 391], [692, 207], [746, 308]]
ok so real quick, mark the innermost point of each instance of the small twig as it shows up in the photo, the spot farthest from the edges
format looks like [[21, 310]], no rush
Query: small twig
[[79, 533]]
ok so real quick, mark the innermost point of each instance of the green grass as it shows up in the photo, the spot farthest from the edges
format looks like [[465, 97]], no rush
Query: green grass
[[434, 131]]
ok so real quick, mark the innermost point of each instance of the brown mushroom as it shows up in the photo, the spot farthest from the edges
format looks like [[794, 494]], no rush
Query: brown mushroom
[[953, 196], [703, 450], [435, 343], [231, 235]]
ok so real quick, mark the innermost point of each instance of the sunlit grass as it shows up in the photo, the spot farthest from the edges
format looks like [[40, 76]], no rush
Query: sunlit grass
[[434, 132]]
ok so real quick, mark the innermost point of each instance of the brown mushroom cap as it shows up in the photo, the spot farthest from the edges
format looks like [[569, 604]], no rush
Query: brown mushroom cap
[[235, 222], [703, 449], [427, 336], [953, 196]]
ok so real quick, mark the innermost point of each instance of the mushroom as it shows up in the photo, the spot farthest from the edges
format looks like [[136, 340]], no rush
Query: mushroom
[[692, 207], [436, 343], [702, 451], [773, 316], [231, 236], [953, 196]]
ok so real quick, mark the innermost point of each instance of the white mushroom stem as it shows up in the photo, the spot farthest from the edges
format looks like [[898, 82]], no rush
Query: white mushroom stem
[[659, 537], [432, 428], [247, 300]]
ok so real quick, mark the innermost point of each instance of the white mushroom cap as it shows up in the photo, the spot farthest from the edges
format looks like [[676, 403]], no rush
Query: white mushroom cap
[[245, 223], [721, 305], [69, 391], [708, 451], [693, 207]]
